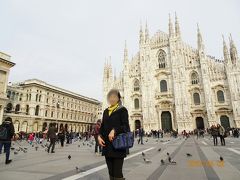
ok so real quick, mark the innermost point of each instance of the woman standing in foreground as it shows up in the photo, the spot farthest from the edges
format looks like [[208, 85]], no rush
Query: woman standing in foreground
[[114, 122]]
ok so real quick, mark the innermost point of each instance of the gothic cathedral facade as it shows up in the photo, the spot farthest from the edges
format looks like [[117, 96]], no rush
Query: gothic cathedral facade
[[170, 85]]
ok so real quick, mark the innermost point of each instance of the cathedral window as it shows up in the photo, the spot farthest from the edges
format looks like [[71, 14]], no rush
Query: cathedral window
[[37, 110], [220, 96], [194, 78], [136, 103], [196, 98], [161, 59], [136, 86], [163, 85]]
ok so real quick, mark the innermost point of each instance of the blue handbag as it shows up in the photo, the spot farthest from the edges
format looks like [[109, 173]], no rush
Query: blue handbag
[[123, 141]]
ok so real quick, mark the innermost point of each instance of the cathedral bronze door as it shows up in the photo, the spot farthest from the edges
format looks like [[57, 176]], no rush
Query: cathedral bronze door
[[199, 123], [137, 124], [225, 122], [166, 121]]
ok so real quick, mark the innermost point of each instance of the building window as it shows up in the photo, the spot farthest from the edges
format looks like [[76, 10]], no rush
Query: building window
[[17, 108], [163, 85], [136, 85], [27, 109], [136, 103], [52, 114], [196, 98], [9, 108], [40, 96], [36, 97], [220, 96], [194, 78], [46, 113], [37, 110], [161, 59]]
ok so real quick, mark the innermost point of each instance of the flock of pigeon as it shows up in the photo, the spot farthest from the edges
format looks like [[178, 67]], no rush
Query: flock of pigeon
[[169, 159]]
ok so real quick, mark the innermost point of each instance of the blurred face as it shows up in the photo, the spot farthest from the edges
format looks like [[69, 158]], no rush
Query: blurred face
[[113, 99]]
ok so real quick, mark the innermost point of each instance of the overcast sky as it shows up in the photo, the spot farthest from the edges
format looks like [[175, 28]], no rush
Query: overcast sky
[[65, 42]]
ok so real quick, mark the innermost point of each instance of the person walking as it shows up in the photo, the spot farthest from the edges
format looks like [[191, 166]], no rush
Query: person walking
[[51, 134], [61, 136], [6, 134], [95, 134], [141, 134], [214, 132], [221, 132], [114, 121]]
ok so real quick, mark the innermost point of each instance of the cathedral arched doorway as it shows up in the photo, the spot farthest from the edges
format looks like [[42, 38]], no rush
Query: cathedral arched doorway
[[137, 124], [199, 123], [166, 121], [224, 120]]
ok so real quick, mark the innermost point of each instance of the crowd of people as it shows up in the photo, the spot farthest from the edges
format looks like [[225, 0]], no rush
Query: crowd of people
[[64, 136]]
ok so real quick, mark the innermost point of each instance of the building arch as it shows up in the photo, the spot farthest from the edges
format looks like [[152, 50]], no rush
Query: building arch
[[199, 123], [220, 96], [194, 78], [136, 85], [224, 120], [136, 103], [163, 85], [196, 98], [161, 59]]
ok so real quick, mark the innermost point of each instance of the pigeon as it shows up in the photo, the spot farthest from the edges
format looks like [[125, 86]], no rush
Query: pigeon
[[25, 148], [147, 160], [188, 154], [15, 152], [12, 148], [42, 146], [167, 153], [162, 162], [78, 145], [221, 158], [147, 140], [143, 154], [159, 149], [169, 159], [69, 157], [36, 148], [77, 168]]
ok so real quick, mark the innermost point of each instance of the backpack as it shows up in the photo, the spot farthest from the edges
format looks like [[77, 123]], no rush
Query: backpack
[[3, 133]]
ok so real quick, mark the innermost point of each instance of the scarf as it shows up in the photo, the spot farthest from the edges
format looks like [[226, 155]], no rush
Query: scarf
[[111, 109]]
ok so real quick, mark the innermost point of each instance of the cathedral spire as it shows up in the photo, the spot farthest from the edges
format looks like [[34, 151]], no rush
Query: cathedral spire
[[233, 50], [177, 27], [141, 35], [146, 33], [200, 40], [170, 26], [225, 51], [125, 52]]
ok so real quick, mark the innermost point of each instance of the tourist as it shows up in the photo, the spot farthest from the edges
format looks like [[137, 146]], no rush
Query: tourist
[[114, 122], [61, 136], [51, 134], [95, 133], [221, 132], [214, 133], [6, 135], [141, 134]]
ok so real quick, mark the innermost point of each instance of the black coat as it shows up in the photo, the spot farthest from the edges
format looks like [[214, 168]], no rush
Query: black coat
[[118, 121], [10, 130]]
